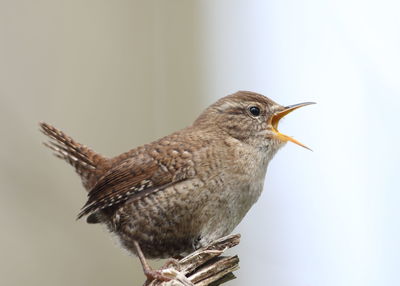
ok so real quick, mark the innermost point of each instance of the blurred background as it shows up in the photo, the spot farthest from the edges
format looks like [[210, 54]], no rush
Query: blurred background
[[118, 74]]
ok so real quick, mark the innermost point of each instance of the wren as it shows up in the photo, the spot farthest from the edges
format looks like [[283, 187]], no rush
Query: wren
[[181, 192]]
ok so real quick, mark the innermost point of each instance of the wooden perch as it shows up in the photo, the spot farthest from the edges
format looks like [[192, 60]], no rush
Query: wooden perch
[[205, 266]]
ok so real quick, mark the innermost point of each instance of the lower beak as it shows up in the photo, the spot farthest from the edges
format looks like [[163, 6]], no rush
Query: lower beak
[[279, 115]]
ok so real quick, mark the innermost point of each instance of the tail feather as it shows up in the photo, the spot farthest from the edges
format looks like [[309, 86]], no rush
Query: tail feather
[[87, 163]]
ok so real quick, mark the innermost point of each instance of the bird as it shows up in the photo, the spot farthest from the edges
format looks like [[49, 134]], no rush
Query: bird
[[177, 194]]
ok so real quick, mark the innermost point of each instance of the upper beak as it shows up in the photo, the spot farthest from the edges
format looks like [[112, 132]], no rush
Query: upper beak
[[279, 115]]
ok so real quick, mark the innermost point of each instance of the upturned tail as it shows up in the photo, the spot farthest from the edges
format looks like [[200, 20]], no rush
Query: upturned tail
[[88, 164]]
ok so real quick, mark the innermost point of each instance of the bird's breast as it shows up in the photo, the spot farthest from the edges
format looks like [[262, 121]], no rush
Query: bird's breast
[[238, 187]]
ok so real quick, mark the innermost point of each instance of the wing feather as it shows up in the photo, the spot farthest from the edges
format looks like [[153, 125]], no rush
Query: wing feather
[[131, 177]]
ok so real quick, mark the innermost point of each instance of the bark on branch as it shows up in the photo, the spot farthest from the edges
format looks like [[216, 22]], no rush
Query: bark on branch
[[205, 266]]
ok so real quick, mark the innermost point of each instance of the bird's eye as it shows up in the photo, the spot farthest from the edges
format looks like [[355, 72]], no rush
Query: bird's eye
[[254, 110]]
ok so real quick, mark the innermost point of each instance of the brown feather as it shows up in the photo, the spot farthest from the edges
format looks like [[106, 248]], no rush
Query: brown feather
[[88, 164], [132, 178]]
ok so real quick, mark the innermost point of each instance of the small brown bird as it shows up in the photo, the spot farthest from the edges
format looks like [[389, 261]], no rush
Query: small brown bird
[[181, 192]]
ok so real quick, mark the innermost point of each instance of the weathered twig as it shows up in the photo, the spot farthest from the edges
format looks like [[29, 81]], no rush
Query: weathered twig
[[204, 266]]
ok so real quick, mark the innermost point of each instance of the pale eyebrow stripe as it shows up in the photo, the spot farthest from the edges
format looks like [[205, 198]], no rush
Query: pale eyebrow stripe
[[231, 107], [225, 106]]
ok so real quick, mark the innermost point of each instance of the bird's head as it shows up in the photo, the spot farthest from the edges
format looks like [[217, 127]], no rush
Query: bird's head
[[249, 117]]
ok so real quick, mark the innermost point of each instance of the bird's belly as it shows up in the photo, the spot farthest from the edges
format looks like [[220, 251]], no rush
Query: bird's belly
[[165, 224], [169, 224], [157, 238]]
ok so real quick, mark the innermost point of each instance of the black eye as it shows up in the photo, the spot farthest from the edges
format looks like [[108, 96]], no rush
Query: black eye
[[254, 110]]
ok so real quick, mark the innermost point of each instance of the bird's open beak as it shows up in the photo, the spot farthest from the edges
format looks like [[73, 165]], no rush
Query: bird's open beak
[[279, 115]]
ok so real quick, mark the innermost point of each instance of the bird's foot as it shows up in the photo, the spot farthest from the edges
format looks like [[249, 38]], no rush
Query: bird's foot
[[150, 273], [174, 262], [158, 275]]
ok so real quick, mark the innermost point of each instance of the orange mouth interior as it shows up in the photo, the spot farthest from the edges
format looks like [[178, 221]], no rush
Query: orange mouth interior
[[274, 121]]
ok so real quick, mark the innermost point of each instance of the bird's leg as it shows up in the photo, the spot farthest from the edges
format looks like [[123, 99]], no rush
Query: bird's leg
[[150, 273]]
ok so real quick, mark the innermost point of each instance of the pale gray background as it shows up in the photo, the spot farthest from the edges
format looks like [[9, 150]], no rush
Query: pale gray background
[[117, 74]]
